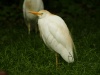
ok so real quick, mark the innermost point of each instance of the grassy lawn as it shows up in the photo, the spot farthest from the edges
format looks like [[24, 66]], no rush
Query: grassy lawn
[[23, 54]]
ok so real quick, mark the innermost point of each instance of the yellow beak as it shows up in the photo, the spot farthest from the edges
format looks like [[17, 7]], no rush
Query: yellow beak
[[35, 13]]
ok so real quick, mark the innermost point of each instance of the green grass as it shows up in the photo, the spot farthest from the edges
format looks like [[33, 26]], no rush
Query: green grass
[[23, 54]]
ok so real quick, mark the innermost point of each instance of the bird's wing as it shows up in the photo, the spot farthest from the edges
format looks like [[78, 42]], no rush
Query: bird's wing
[[60, 31]]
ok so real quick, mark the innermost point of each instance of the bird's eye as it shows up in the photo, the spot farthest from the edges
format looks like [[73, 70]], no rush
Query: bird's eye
[[41, 13]]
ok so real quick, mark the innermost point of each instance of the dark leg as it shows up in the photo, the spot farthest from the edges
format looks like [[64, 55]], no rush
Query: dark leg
[[56, 54], [29, 28]]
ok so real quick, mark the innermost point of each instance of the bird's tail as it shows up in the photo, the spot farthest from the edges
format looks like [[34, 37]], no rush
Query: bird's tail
[[67, 55]]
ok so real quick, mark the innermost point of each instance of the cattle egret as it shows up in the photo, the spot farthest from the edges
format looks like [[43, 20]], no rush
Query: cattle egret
[[31, 20], [55, 34]]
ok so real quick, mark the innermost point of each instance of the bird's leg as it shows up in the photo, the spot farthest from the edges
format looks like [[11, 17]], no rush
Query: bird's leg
[[29, 28], [36, 28], [56, 54]]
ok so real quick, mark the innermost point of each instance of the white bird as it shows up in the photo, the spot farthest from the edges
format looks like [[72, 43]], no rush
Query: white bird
[[55, 34], [31, 20]]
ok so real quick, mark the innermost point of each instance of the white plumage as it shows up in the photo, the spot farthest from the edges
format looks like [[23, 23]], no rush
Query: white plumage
[[31, 20], [55, 34]]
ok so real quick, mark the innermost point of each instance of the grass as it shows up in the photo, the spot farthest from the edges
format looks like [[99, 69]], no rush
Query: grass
[[23, 54]]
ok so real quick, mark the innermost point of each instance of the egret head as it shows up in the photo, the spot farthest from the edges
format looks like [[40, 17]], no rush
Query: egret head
[[41, 13]]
